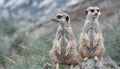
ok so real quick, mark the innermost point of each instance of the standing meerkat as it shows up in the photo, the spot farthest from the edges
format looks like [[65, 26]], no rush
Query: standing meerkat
[[91, 39], [64, 45]]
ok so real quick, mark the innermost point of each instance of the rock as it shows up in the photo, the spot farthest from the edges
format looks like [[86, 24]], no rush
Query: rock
[[105, 63], [47, 66]]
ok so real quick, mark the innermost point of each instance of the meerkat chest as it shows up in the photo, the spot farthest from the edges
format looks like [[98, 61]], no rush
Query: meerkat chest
[[91, 32], [64, 37]]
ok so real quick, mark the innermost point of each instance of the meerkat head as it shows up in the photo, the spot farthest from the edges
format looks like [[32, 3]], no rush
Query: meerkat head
[[93, 12], [62, 18]]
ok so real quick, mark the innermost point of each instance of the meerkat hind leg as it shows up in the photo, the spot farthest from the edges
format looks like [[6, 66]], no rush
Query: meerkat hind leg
[[57, 66], [71, 66]]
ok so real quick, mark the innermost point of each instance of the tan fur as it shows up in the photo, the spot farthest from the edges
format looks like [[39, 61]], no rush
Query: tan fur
[[91, 39], [64, 50]]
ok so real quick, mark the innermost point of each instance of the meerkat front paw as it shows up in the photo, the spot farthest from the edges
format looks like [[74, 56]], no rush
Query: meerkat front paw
[[88, 44], [87, 40], [96, 39], [58, 47], [59, 50]]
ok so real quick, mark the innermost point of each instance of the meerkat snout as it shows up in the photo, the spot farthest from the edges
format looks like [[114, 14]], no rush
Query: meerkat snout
[[93, 12]]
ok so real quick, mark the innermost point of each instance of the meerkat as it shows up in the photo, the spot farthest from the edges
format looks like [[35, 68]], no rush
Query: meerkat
[[64, 50], [91, 39]]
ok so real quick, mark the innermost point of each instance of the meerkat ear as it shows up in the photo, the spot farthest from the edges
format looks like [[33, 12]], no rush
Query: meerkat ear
[[67, 19], [86, 12]]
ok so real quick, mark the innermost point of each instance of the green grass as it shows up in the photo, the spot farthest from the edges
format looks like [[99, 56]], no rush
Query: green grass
[[7, 27], [112, 44], [34, 54]]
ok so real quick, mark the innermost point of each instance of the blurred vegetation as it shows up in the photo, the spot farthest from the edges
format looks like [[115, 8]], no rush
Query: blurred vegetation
[[31, 53], [112, 44]]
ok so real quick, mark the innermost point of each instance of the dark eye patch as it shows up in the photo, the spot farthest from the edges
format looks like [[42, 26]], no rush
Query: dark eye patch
[[59, 16], [98, 10], [67, 19], [92, 10]]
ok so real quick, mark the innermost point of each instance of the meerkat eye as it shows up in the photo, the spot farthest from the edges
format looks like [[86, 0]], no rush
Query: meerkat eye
[[92, 10], [67, 19], [59, 16], [98, 10]]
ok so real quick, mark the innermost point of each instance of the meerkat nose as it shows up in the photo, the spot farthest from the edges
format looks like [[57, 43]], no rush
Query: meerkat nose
[[96, 14]]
